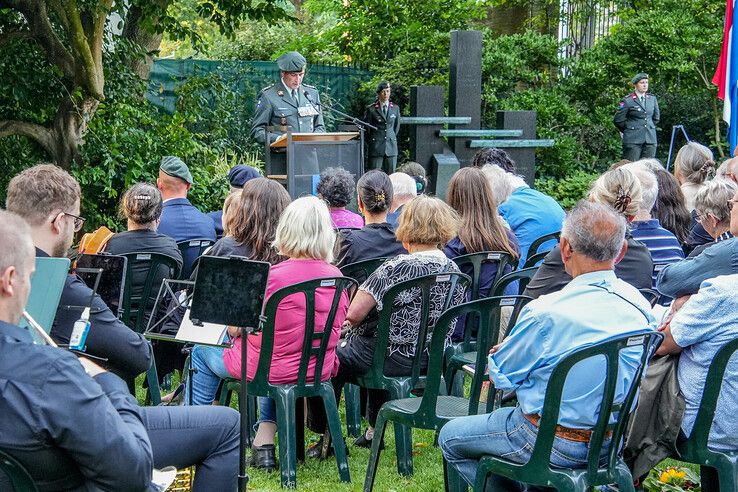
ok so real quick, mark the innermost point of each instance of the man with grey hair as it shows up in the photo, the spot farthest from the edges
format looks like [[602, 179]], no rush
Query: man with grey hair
[[404, 190], [712, 205], [661, 243], [594, 307]]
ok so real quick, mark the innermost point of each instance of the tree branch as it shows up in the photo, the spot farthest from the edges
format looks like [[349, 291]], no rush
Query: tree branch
[[42, 135], [40, 26]]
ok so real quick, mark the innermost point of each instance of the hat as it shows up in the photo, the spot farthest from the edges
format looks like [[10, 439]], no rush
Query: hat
[[173, 166], [638, 77], [292, 61], [382, 86], [239, 175]]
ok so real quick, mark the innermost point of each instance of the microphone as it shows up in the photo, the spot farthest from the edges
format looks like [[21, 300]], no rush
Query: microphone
[[310, 99]]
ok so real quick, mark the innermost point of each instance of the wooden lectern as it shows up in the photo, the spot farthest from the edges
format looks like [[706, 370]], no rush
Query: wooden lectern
[[296, 159]]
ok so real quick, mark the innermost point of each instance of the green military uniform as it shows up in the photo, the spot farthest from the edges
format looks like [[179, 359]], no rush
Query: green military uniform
[[382, 142], [637, 118], [276, 105]]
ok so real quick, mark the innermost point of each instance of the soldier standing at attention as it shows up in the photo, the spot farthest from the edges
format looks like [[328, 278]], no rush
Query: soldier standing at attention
[[288, 102], [636, 118], [382, 142]]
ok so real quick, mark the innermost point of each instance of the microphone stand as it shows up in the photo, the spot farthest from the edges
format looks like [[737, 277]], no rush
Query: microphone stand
[[356, 121]]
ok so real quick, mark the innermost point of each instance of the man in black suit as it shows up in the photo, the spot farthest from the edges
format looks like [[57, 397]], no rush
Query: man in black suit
[[382, 142]]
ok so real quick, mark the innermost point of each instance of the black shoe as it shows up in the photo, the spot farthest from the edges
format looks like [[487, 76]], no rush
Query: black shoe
[[315, 450], [264, 457], [363, 442]]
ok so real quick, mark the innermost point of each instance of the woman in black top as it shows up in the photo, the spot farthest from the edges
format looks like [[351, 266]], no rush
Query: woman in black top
[[141, 207], [377, 238]]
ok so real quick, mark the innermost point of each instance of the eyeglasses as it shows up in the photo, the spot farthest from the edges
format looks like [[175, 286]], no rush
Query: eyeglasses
[[78, 221]]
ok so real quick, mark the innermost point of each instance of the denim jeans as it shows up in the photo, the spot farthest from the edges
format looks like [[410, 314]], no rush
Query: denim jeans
[[504, 433], [208, 361]]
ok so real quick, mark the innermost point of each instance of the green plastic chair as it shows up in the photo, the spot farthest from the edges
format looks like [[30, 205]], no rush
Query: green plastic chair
[[20, 479], [538, 471], [456, 360], [432, 411], [535, 245], [314, 347], [400, 386], [534, 259], [191, 250], [694, 449], [358, 271], [477, 261], [137, 308]]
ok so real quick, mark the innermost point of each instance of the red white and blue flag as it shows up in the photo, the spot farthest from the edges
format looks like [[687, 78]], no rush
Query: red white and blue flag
[[726, 74]]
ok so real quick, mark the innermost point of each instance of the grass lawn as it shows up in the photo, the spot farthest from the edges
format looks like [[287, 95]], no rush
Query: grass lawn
[[315, 475]]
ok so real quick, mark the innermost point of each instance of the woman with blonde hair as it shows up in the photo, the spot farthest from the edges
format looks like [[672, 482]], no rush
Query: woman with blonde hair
[[693, 164], [621, 190], [426, 224]]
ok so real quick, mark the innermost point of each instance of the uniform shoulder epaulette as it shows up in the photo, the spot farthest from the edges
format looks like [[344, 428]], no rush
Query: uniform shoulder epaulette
[[266, 89], [309, 86]]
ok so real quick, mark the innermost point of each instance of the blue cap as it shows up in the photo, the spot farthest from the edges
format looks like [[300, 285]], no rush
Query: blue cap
[[239, 175]]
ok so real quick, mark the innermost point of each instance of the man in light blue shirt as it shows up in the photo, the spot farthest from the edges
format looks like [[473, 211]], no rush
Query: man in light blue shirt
[[594, 307], [705, 323]]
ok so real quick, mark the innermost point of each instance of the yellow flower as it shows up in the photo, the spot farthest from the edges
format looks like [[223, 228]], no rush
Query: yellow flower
[[672, 475]]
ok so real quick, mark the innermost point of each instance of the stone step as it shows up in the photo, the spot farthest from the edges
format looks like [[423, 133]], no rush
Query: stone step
[[511, 144], [480, 133]]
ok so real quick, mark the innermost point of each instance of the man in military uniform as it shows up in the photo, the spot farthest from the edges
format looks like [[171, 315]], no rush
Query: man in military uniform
[[636, 118], [382, 142], [288, 102]]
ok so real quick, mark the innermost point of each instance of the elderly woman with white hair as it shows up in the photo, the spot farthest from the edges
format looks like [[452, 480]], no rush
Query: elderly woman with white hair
[[530, 213], [304, 235], [620, 189], [713, 211]]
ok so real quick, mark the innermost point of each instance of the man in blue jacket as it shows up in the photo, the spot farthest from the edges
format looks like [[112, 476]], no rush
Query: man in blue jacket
[[180, 219]]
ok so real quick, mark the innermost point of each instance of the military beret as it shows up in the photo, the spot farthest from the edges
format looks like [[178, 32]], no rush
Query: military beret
[[292, 61], [173, 166], [382, 86], [638, 77], [239, 175]]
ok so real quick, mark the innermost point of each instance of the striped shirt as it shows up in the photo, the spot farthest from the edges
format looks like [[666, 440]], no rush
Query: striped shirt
[[662, 244]]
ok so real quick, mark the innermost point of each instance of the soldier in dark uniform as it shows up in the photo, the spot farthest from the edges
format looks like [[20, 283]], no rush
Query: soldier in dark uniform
[[382, 142], [288, 102], [636, 118]]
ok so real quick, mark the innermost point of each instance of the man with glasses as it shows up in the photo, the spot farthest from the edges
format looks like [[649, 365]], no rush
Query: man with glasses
[[48, 198], [684, 278], [288, 102]]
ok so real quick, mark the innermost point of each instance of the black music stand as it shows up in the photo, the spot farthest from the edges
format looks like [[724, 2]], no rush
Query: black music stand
[[243, 283]]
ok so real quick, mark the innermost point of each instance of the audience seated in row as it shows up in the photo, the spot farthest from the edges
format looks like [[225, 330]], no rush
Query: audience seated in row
[[304, 235], [481, 229], [336, 187], [662, 244], [692, 166], [686, 276], [180, 219], [712, 205], [77, 430], [377, 238], [582, 313], [670, 208], [620, 190], [404, 190], [238, 176], [529, 213], [425, 223]]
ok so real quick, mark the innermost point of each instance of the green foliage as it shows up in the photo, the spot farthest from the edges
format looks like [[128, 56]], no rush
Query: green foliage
[[569, 190]]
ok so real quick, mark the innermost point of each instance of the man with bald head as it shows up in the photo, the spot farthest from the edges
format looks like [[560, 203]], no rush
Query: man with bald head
[[594, 307], [180, 219], [731, 169]]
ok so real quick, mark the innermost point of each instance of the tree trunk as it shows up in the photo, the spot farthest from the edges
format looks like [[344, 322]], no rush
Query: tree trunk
[[147, 40]]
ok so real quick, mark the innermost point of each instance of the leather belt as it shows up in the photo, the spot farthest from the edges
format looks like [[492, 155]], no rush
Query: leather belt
[[576, 435]]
